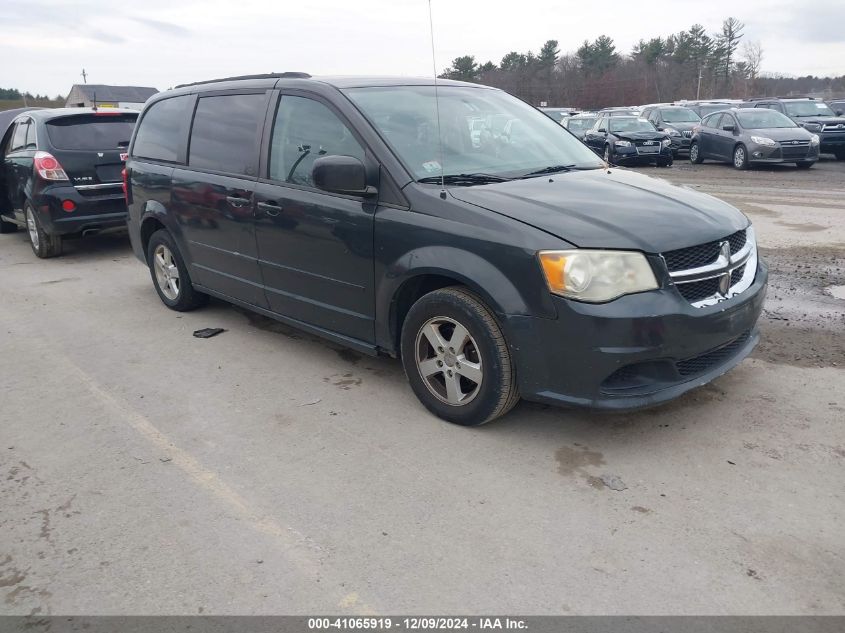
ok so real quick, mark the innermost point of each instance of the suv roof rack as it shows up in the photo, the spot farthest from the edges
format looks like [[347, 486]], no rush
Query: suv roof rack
[[787, 97], [285, 75]]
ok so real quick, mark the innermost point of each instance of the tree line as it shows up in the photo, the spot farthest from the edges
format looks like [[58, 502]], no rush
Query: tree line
[[691, 64], [13, 94]]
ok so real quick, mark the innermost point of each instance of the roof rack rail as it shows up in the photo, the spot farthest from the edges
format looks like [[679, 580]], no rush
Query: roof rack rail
[[285, 75], [784, 97]]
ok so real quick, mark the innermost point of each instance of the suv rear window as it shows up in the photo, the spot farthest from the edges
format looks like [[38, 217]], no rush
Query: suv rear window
[[91, 131], [162, 132], [225, 135]]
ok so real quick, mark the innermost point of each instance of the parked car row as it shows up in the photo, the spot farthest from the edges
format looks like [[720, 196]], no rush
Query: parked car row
[[798, 132], [450, 225]]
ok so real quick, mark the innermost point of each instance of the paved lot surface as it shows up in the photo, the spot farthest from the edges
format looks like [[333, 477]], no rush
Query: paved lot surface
[[262, 471]]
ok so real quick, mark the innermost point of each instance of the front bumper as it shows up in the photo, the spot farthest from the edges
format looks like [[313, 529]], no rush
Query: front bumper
[[761, 154], [94, 212], [631, 155], [680, 144], [832, 142], [637, 351]]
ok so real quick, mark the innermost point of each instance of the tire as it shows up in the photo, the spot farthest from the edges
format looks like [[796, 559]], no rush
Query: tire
[[740, 157], [695, 155], [7, 227], [44, 245], [482, 353], [666, 162], [170, 275], [805, 164]]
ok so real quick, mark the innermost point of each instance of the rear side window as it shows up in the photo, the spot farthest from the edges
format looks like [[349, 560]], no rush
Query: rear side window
[[225, 135], [19, 137], [163, 129], [91, 131]]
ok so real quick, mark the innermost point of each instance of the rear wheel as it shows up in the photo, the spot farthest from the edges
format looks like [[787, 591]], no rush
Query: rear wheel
[[456, 358], [695, 155], [44, 245], [170, 275], [805, 164], [740, 157]]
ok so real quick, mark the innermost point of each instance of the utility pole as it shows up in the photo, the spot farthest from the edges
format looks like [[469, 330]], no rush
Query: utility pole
[[698, 90], [84, 76]]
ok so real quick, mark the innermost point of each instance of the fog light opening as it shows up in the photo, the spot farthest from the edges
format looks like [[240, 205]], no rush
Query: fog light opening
[[68, 206]]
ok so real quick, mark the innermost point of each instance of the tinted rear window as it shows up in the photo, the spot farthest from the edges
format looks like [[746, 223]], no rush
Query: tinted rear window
[[91, 131], [226, 133], [162, 131]]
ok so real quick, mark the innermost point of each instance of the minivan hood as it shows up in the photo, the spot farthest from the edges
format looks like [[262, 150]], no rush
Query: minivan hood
[[610, 208], [681, 126]]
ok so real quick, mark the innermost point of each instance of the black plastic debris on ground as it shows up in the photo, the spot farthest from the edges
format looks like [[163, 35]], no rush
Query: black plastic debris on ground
[[208, 332]]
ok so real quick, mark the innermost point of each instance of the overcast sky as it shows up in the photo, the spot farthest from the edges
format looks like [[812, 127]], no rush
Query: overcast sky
[[44, 44]]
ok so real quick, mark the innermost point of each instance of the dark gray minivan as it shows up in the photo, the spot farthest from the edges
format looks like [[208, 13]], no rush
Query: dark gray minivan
[[453, 226]]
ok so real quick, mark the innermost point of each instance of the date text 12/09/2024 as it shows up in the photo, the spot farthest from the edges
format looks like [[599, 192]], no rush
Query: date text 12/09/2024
[[415, 623]]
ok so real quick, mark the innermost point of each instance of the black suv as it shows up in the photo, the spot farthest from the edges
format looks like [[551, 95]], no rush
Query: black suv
[[677, 122], [61, 174], [495, 265], [815, 116]]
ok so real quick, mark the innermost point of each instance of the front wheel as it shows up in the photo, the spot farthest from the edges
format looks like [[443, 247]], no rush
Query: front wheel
[[740, 157], [456, 358], [695, 154], [44, 245], [805, 164], [170, 275]]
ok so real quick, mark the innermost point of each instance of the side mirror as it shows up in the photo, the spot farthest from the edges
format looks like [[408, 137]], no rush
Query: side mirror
[[341, 174], [730, 127], [838, 112]]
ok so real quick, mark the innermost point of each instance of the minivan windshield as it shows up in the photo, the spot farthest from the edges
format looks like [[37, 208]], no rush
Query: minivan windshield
[[514, 139], [807, 108], [759, 119], [679, 115], [581, 124]]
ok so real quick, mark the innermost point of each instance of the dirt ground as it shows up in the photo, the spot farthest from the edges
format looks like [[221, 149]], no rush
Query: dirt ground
[[263, 471]]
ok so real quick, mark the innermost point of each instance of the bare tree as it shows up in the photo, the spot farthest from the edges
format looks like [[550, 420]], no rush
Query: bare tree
[[752, 54]]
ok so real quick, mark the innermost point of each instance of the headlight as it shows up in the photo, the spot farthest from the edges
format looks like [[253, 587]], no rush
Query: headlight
[[763, 140], [814, 139], [623, 143], [813, 127], [666, 142], [596, 276], [672, 132]]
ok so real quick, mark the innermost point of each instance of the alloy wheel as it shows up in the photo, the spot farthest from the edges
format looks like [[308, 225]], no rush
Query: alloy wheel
[[448, 361], [739, 157], [693, 153], [166, 272], [32, 227]]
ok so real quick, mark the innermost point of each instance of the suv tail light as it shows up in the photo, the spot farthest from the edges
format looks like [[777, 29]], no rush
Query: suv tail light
[[127, 196], [48, 168]]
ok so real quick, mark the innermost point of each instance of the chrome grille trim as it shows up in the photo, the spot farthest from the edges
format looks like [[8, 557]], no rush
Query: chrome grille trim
[[745, 259]]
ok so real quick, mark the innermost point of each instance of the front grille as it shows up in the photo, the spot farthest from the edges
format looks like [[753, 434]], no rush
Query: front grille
[[699, 290], [703, 254], [736, 275], [687, 133], [791, 149], [700, 364], [834, 127]]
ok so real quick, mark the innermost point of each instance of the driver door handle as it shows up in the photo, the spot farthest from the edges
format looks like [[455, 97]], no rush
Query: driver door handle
[[237, 202], [269, 208]]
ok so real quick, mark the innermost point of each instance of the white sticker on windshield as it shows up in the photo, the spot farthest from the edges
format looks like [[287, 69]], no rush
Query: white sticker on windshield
[[431, 166], [821, 106]]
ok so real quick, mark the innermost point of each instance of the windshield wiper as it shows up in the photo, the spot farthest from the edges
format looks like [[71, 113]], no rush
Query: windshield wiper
[[463, 179], [551, 169]]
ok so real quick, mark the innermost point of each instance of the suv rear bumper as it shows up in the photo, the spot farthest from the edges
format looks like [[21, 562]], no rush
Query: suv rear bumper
[[638, 351], [96, 212]]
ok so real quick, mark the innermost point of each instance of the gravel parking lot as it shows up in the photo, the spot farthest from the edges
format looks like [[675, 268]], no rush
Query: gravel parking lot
[[264, 471]]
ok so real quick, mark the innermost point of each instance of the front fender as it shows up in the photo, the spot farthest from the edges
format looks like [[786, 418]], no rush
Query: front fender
[[480, 275]]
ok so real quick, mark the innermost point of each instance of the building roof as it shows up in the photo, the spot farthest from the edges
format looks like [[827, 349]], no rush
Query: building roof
[[126, 94]]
